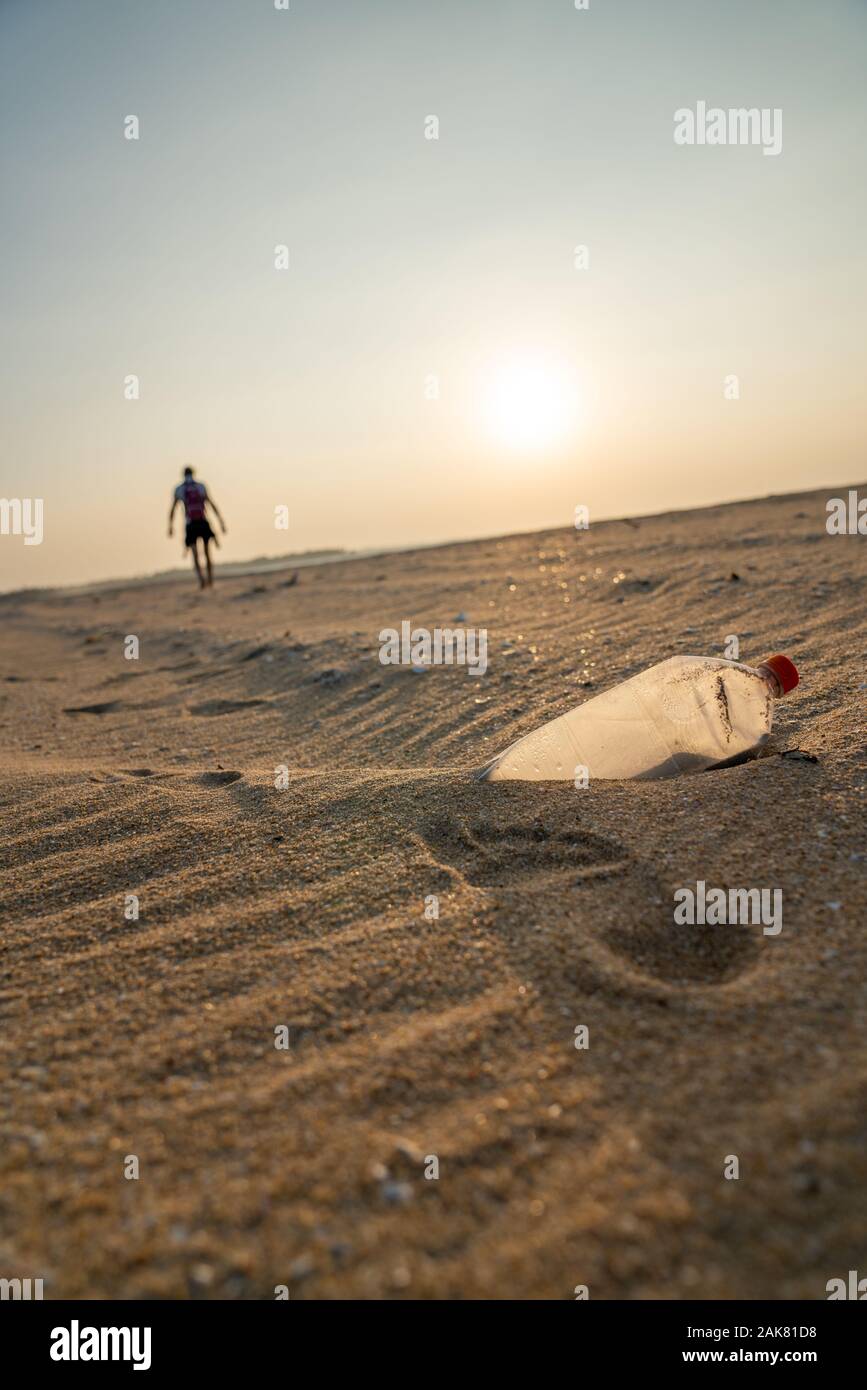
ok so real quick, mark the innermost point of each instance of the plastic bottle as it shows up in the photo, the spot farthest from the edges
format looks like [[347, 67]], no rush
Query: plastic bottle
[[686, 714]]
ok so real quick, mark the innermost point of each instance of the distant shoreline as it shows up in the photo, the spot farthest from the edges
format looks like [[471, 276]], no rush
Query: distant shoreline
[[238, 569]]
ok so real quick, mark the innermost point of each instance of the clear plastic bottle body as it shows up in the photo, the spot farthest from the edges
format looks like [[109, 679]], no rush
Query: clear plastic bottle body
[[685, 714]]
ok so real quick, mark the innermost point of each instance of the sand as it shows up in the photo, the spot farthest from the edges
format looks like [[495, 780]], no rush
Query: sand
[[303, 906]]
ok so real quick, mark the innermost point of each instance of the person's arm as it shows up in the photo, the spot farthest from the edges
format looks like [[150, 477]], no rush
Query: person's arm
[[175, 501], [215, 509]]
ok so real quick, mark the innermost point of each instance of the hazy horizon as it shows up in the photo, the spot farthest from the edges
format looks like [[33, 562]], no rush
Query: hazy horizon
[[274, 562], [419, 263]]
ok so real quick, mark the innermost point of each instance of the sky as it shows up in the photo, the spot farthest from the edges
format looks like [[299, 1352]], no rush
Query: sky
[[437, 362]]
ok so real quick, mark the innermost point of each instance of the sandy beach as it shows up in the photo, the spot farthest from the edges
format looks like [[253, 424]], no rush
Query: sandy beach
[[409, 1038]]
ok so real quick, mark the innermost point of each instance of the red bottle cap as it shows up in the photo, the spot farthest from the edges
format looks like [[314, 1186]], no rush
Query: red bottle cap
[[785, 671]]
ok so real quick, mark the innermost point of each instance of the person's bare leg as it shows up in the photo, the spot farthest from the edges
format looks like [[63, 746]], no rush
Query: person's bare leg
[[208, 563], [195, 550]]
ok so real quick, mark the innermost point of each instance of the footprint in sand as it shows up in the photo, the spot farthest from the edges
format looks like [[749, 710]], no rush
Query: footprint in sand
[[591, 884], [106, 707], [492, 856]]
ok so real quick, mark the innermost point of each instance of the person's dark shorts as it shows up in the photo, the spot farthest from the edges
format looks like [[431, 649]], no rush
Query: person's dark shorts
[[198, 531]]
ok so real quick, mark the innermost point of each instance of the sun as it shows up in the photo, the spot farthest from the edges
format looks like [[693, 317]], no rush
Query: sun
[[529, 402]]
